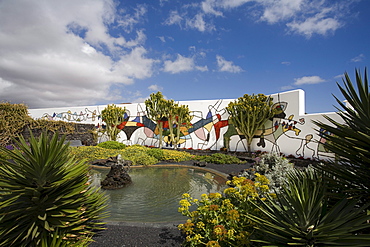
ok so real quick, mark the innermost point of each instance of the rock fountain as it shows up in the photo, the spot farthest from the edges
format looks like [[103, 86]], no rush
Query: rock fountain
[[118, 176]]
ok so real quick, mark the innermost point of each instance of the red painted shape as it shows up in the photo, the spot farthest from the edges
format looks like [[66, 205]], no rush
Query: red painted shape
[[219, 125], [121, 125]]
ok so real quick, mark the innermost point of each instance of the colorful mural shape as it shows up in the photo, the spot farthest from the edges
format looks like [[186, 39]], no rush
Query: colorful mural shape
[[206, 128]]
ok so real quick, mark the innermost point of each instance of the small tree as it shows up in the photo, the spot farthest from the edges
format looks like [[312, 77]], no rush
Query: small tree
[[249, 114], [113, 115], [156, 111]]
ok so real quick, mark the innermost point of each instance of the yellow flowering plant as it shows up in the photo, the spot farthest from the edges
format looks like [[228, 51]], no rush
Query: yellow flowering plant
[[220, 220]]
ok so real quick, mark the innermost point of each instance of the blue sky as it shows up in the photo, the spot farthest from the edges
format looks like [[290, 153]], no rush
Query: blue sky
[[87, 52]]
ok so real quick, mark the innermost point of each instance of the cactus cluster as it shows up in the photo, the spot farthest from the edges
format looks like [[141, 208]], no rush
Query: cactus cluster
[[113, 115], [161, 110], [179, 116], [156, 111], [249, 114]]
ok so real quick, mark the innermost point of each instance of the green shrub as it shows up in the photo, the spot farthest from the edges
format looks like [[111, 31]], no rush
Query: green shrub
[[220, 220], [219, 158], [156, 153], [138, 155], [273, 166], [45, 196], [112, 145], [176, 156]]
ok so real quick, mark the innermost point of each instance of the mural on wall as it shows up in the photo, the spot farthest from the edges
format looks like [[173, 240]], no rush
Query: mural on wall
[[73, 117], [286, 132]]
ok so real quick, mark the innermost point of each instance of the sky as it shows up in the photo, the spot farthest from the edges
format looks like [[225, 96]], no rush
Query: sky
[[90, 52]]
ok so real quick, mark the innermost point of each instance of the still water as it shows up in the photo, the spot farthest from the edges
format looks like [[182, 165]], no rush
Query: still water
[[155, 192]]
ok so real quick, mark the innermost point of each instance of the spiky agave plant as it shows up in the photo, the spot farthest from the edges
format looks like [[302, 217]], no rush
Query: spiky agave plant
[[350, 139], [300, 216], [45, 196]]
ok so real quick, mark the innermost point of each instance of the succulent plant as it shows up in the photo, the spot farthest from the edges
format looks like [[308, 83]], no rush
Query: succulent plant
[[45, 196]]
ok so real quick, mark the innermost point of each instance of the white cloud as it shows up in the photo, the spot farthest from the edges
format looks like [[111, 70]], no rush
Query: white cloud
[[227, 66], [174, 19], [303, 17], [54, 53], [162, 2], [128, 21], [308, 80], [306, 17], [192, 48], [162, 38], [216, 7], [202, 68], [286, 63], [181, 64], [359, 58], [184, 20], [208, 7], [233, 3], [88, 49], [198, 23], [121, 42], [318, 24], [278, 10], [133, 65], [155, 88]]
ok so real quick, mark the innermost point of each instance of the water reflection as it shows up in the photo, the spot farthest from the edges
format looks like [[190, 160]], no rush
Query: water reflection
[[155, 192]]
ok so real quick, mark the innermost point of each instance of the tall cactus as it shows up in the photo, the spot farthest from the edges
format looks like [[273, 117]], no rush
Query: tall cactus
[[178, 116], [113, 115], [182, 118], [249, 113], [171, 107], [156, 111]]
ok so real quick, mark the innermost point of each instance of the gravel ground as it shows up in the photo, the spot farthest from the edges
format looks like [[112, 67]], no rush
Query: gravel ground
[[153, 235], [140, 235]]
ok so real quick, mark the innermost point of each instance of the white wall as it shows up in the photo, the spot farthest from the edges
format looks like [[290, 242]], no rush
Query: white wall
[[293, 133]]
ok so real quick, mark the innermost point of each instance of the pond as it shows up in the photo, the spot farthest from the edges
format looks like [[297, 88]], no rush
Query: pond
[[155, 192]]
